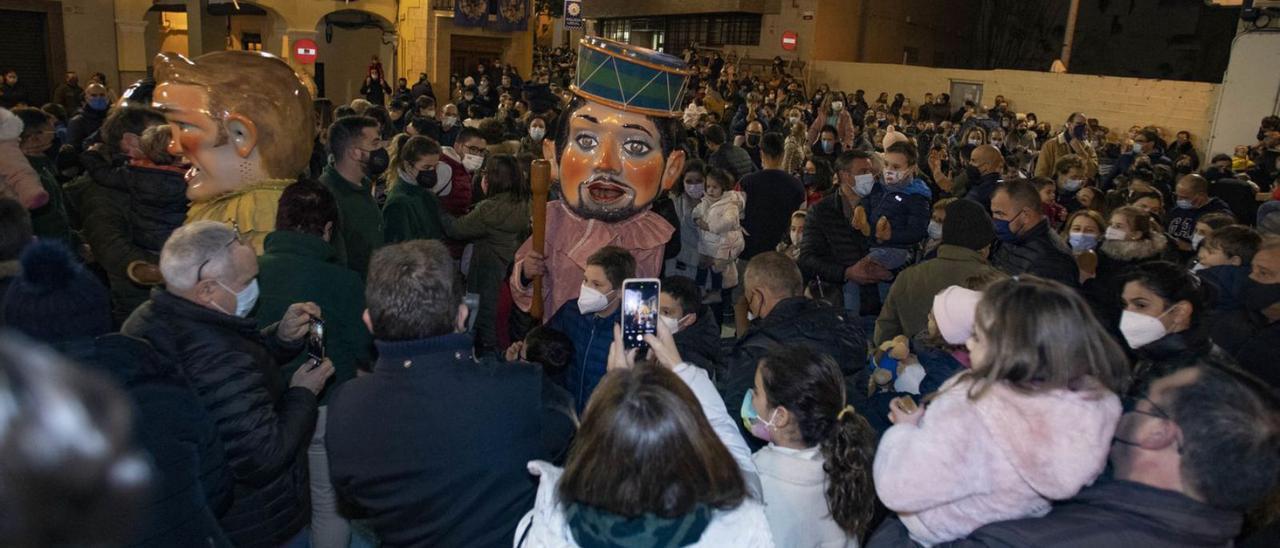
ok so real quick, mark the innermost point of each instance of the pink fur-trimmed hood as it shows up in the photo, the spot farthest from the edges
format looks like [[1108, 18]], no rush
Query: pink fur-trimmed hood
[[1040, 433]]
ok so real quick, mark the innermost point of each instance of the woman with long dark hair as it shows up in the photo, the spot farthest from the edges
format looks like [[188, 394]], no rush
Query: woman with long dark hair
[[497, 226]]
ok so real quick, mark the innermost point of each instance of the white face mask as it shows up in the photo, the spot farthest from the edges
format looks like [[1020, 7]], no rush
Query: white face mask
[[793, 120], [472, 162], [1114, 233], [795, 237], [695, 191], [1072, 185], [673, 324], [837, 106], [449, 121], [1195, 240], [894, 177], [863, 184], [537, 133], [245, 299], [935, 230], [591, 301], [1140, 330]]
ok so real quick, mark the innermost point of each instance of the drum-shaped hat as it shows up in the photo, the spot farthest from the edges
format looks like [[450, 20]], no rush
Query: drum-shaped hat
[[630, 78]]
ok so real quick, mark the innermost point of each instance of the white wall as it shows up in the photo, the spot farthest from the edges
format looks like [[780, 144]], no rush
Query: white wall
[[1250, 91]]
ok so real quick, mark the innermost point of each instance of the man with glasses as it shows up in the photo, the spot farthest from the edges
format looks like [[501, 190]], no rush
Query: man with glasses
[[464, 160], [199, 324], [358, 157], [1188, 460]]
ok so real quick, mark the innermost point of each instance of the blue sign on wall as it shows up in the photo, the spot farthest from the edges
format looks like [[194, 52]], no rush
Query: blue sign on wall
[[572, 14]]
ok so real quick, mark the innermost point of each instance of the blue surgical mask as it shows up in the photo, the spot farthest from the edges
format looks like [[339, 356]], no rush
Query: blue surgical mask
[[1137, 148], [1081, 242], [808, 179], [1003, 231], [1072, 185], [759, 428], [828, 146], [864, 184], [98, 103], [1185, 204]]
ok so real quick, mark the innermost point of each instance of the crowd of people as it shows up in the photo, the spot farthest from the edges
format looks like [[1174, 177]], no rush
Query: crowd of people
[[938, 324]]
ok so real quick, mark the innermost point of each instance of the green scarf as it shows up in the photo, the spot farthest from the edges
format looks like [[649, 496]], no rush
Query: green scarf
[[596, 528]]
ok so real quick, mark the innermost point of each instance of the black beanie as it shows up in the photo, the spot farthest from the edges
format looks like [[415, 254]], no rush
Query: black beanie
[[967, 225], [55, 299]]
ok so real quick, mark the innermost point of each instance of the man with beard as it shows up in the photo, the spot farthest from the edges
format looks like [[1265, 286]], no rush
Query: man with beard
[[615, 149]]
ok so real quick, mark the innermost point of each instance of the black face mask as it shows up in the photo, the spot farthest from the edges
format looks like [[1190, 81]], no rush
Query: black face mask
[[427, 178], [973, 173], [753, 141], [1257, 296], [377, 163]]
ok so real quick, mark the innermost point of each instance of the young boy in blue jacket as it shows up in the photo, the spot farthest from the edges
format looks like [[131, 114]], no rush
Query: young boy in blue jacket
[[1223, 260], [897, 211]]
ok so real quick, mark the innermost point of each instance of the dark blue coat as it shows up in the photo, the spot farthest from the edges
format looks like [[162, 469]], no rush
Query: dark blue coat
[[907, 209], [591, 336], [1229, 281], [192, 485], [433, 446]]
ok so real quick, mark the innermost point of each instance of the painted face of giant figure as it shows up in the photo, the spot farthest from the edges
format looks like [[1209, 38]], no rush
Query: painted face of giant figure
[[238, 117], [613, 163], [617, 139]]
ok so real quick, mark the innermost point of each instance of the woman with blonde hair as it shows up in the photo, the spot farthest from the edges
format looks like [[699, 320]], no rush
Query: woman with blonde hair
[[795, 150]]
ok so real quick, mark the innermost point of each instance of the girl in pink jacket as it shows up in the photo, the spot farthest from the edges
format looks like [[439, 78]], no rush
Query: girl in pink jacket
[[1030, 423]]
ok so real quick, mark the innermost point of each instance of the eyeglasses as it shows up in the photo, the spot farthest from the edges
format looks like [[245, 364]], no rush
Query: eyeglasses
[[235, 227]]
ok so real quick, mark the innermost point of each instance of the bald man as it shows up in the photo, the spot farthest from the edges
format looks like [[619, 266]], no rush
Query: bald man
[[87, 123], [990, 164]]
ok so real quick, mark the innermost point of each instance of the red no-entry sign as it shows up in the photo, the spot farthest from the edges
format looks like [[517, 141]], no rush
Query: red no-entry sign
[[789, 39], [304, 50]]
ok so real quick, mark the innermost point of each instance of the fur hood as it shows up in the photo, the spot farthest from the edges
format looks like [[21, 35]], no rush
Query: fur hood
[[10, 125], [1134, 250]]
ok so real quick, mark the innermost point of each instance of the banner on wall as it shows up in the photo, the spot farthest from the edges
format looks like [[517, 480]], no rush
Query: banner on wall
[[513, 16], [470, 13]]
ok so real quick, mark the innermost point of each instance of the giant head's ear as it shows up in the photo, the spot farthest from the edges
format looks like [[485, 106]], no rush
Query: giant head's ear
[[243, 134], [675, 167]]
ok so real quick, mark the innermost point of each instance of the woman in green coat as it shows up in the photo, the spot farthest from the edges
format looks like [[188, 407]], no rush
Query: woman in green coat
[[412, 211], [496, 226]]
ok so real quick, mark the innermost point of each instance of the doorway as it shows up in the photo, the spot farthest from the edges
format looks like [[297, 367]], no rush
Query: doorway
[[32, 44], [465, 52], [349, 40]]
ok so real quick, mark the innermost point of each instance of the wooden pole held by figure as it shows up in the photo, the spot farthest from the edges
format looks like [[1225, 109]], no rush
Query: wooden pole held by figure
[[540, 183]]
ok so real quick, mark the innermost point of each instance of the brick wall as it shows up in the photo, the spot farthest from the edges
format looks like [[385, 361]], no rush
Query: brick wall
[[1116, 102]]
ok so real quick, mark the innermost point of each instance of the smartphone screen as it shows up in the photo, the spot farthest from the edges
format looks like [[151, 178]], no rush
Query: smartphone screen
[[639, 310]]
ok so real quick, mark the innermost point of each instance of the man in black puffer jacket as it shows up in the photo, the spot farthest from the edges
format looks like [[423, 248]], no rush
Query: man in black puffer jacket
[[1027, 245], [831, 250], [198, 323], [774, 291]]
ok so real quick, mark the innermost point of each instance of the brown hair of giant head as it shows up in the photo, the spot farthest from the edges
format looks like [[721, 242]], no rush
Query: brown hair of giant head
[[259, 87]]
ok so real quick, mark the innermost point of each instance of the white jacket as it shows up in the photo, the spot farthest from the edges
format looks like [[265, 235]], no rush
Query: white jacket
[[723, 240], [545, 526], [795, 500]]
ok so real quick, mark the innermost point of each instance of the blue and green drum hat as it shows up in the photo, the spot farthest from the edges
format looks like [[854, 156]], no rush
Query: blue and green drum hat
[[630, 78]]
